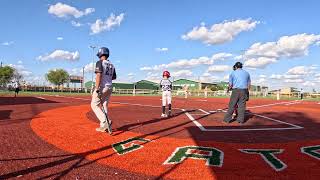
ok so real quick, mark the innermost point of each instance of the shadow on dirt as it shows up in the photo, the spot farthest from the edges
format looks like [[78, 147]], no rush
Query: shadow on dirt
[[23, 100]]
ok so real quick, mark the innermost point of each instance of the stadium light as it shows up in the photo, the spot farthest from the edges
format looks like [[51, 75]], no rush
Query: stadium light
[[92, 47]]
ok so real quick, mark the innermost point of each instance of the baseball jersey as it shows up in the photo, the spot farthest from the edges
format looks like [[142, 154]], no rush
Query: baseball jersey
[[108, 72], [166, 85]]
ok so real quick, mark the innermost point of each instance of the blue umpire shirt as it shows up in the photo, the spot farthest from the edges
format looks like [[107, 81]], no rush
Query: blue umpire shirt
[[239, 79]]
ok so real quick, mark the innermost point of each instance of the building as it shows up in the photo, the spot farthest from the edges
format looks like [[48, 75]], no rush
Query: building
[[192, 85]]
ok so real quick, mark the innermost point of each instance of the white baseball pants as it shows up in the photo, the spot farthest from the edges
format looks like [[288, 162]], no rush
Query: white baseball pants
[[100, 101], [166, 98]]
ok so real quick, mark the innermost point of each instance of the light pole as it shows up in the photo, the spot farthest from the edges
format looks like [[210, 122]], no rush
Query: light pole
[[92, 47]]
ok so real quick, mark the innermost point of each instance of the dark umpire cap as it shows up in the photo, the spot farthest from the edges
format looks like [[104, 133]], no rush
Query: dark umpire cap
[[238, 65]]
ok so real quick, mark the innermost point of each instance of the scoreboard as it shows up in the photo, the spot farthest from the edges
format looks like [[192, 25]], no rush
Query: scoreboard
[[76, 79]]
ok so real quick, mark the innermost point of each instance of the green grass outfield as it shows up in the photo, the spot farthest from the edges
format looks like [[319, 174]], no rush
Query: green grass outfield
[[29, 93]]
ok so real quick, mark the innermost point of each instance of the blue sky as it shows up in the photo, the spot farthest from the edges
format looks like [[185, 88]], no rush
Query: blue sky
[[277, 41]]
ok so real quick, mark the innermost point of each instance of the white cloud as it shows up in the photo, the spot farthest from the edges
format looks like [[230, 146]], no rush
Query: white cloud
[[262, 76], [59, 38], [162, 49], [220, 33], [301, 70], [318, 43], [76, 24], [219, 68], [293, 80], [107, 25], [131, 74], [89, 68], [64, 10], [285, 76], [260, 55], [189, 63], [7, 43], [240, 57], [61, 55], [260, 62], [207, 77], [309, 84], [21, 69], [182, 73]]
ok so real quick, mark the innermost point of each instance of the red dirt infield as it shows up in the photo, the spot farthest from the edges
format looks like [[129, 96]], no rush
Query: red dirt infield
[[280, 140]]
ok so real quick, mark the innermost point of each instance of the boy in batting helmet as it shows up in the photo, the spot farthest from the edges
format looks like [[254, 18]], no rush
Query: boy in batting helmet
[[105, 73], [166, 87]]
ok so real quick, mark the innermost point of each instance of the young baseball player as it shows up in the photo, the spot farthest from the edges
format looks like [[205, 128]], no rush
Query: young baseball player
[[166, 87], [105, 73]]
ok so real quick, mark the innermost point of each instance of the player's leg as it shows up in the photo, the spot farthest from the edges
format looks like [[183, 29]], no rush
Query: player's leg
[[233, 101], [106, 93], [169, 98], [164, 104], [96, 107], [242, 106]]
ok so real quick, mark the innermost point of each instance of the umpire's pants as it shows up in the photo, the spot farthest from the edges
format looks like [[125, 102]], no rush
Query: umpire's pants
[[240, 97]]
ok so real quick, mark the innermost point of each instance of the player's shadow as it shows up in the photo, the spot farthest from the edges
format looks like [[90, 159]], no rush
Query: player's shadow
[[128, 127], [5, 114], [23, 100]]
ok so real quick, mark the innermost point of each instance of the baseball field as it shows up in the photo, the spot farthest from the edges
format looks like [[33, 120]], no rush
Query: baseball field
[[47, 136]]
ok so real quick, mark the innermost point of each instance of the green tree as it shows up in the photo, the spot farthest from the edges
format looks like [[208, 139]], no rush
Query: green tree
[[6, 74], [57, 77]]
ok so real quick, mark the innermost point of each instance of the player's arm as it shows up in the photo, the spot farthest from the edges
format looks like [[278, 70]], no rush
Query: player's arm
[[230, 82], [114, 76], [98, 71]]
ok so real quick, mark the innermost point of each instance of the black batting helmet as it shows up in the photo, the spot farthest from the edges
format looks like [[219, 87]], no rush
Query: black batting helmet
[[103, 51]]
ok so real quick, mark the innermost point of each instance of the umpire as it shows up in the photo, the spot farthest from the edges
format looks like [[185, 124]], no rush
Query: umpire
[[240, 82]]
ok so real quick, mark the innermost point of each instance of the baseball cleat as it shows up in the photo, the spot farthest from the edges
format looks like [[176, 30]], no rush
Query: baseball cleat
[[100, 129], [169, 113], [163, 115]]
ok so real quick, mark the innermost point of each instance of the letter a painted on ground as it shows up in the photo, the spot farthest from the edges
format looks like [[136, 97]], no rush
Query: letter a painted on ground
[[213, 157], [268, 155], [128, 145], [313, 151]]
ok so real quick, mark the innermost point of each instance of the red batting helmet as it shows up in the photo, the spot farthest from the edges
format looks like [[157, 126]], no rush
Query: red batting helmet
[[166, 73]]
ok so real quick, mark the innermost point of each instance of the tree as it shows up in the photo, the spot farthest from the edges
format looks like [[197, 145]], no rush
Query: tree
[[57, 77], [6, 75]]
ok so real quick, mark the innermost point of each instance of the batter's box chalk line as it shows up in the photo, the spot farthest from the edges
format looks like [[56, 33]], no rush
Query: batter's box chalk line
[[202, 128]]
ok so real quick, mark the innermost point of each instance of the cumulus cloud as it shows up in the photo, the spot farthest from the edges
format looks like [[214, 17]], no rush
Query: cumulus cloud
[[259, 55], [260, 62], [64, 10], [207, 77], [220, 33], [162, 49], [7, 43], [106, 25], [21, 69], [59, 38], [309, 84], [60, 55], [182, 73], [294, 81], [76, 24], [301, 70], [189, 63], [219, 68], [89, 68]]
